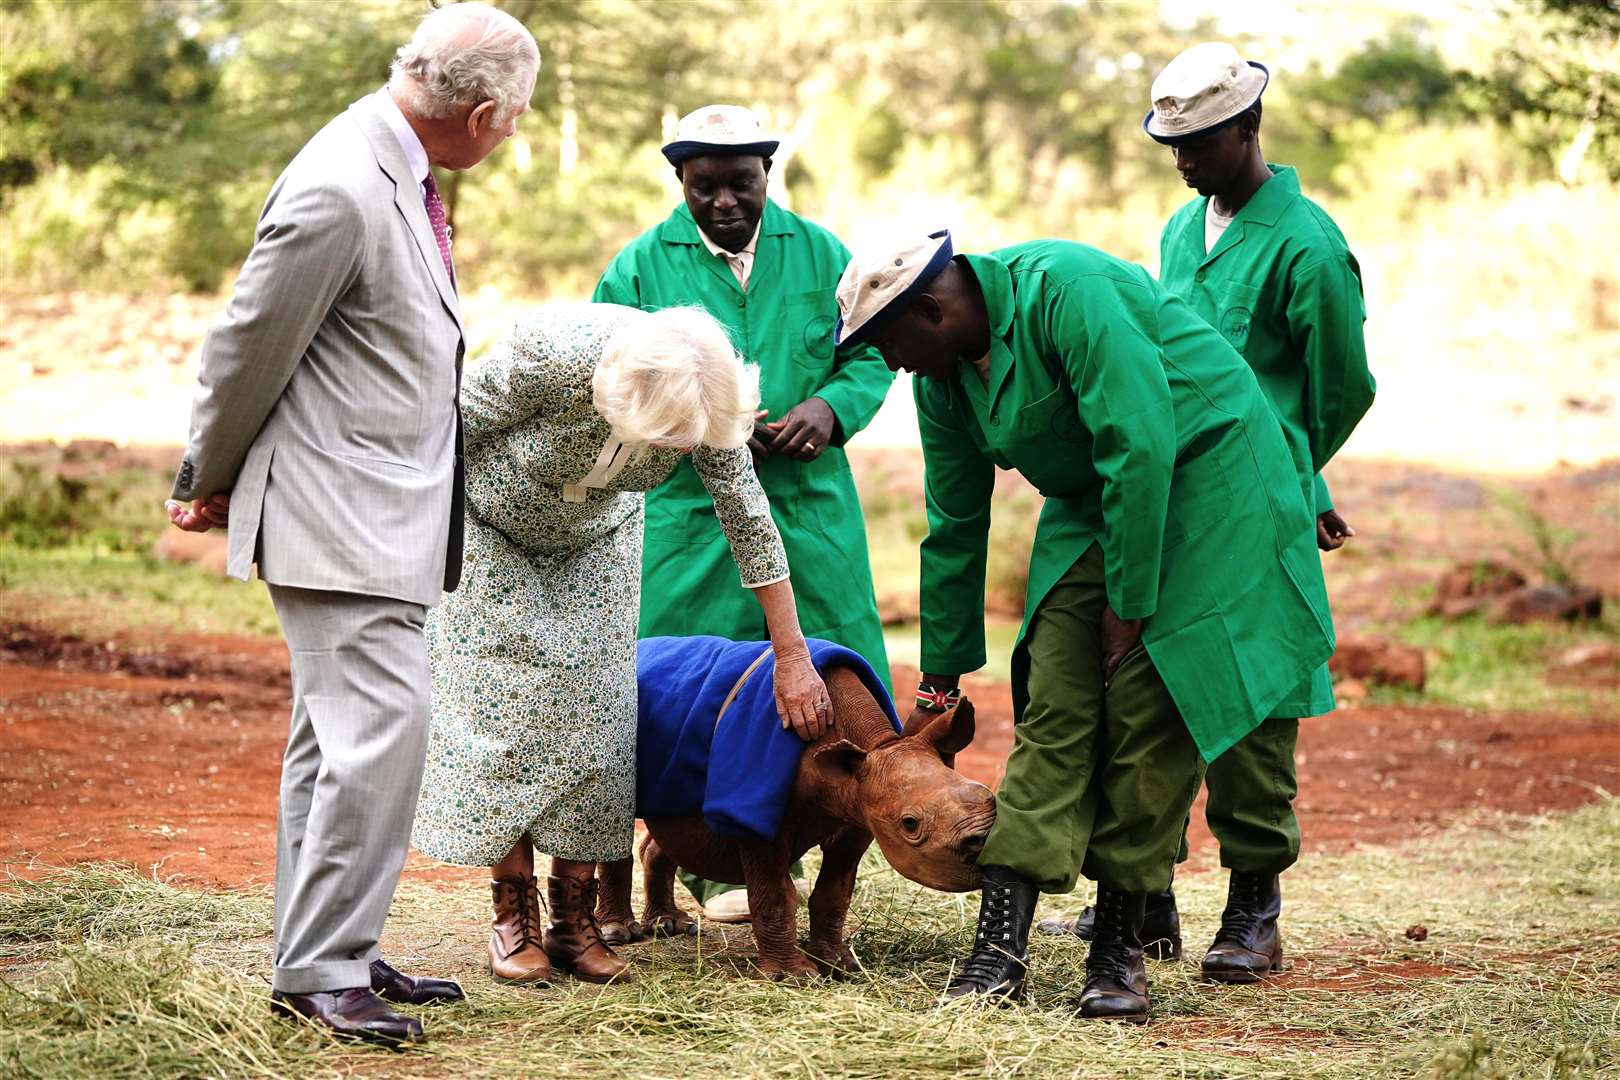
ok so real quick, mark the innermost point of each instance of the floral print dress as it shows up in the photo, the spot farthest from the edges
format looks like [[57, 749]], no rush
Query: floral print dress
[[534, 655]]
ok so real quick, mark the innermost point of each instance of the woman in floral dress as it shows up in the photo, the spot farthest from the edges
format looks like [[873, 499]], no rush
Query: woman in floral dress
[[532, 744]]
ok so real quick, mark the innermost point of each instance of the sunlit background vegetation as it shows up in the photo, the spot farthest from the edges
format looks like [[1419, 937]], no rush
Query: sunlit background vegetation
[[140, 136], [1469, 148]]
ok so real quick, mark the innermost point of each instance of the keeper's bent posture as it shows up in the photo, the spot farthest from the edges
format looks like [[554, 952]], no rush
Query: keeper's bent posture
[[1269, 269], [1174, 593]]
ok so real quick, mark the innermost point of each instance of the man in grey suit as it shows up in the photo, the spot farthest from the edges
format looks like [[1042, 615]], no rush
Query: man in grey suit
[[325, 435]]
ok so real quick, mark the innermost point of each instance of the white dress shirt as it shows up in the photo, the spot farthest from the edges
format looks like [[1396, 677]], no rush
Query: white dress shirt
[[741, 262], [415, 155]]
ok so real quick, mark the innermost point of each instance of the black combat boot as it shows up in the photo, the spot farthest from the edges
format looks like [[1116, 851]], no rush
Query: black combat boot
[[1248, 946], [1161, 926], [1116, 981], [1001, 947]]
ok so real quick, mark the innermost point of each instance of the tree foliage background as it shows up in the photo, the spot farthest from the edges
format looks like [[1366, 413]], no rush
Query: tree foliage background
[[138, 137]]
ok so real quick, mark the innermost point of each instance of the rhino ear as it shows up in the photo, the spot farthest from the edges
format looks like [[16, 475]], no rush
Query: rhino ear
[[952, 732], [840, 761]]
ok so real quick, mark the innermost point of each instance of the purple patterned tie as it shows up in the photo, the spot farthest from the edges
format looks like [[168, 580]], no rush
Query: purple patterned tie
[[441, 231]]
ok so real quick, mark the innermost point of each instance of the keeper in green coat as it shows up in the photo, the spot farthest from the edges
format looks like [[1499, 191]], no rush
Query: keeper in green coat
[[1272, 273], [1175, 596], [769, 277]]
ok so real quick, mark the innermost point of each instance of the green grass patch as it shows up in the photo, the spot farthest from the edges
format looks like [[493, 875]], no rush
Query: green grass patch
[[1519, 977], [1480, 665], [88, 590], [43, 506], [76, 535]]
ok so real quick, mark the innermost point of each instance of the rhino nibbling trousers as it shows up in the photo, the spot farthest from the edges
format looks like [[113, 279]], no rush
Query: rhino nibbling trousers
[[1100, 778]]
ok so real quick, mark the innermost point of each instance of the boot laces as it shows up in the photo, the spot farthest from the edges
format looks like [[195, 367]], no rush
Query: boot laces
[[1242, 912], [528, 902], [1108, 957], [587, 901], [992, 943]]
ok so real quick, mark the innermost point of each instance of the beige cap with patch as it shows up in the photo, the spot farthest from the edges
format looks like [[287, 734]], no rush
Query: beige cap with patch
[[881, 277], [718, 129], [1203, 88]]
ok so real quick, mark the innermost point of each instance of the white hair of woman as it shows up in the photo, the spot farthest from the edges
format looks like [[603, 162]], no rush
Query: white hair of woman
[[463, 54], [672, 379]]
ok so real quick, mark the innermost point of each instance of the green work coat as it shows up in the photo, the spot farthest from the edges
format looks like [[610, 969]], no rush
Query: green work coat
[[1147, 434], [783, 322], [1283, 288]]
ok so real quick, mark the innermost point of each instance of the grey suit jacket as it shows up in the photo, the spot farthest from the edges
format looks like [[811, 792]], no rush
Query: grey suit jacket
[[327, 400]]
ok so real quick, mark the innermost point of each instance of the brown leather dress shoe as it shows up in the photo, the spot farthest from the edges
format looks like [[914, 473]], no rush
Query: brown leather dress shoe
[[402, 989], [573, 940], [355, 1013], [516, 952]]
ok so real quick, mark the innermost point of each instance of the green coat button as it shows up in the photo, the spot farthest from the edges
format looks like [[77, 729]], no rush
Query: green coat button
[[1198, 276], [995, 421]]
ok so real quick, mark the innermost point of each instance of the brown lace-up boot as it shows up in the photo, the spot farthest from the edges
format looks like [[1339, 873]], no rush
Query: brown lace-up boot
[[573, 942], [516, 953]]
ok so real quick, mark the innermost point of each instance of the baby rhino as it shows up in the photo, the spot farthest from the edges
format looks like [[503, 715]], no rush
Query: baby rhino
[[861, 780]]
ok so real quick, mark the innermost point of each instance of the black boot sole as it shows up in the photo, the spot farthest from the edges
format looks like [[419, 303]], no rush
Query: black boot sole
[[1000, 996], [1123, 1018], [1239, 977], [1118, 1017]]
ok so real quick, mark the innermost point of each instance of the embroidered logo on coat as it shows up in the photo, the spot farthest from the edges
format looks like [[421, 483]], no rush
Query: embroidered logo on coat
[[818, 334], [1235, 325]]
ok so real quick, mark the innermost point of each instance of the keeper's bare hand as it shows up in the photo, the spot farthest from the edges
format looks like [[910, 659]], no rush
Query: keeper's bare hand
[[804, 432], [759, 442], [1332, 531], [1119, 637]]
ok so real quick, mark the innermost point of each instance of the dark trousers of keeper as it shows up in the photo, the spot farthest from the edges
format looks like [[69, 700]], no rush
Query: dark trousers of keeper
[[1250, 809], [1100, 778]]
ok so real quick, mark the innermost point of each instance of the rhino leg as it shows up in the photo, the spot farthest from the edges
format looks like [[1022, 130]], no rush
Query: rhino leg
[[829, 902], [614, 916], [662, 917], [774, 904]]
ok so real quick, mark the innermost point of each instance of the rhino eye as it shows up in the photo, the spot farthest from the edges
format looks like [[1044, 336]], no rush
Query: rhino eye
[[910, 824]]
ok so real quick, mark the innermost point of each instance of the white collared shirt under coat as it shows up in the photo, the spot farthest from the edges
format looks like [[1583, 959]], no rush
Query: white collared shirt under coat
[[740, 263]]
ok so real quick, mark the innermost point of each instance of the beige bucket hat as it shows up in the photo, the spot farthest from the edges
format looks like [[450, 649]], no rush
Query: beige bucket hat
[[882, 277], [718, 129], [1203, 88]]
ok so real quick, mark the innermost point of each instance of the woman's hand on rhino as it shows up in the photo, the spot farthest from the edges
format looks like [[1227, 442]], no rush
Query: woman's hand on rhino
[[801, 697]]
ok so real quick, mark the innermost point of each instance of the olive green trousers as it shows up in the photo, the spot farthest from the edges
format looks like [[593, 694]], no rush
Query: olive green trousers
[[703, 890], [1251, 800], [1101, 777]]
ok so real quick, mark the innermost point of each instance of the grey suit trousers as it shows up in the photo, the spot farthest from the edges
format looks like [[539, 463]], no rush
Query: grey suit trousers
[[349, 781]]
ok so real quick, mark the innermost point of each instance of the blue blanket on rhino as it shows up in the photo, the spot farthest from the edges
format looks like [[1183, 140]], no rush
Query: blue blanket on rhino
[[739, 775]]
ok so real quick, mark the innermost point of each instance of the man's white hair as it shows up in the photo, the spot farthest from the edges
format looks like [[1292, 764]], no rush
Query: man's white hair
[[463, 54], [672, 379]]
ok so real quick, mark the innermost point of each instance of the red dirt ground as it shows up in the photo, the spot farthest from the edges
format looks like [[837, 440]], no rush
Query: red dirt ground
[[165, 750]]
